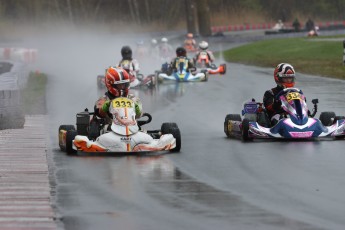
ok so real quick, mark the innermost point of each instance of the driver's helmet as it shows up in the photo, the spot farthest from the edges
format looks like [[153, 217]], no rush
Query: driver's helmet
[[181, 52], [154, 41], [284, 75], [140, 43], [203, 45], [190, 35], [126, 52], [164, 40], [117, 81]]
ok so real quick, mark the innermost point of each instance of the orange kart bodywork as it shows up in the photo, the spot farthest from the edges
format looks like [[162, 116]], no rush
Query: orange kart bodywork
[[221, 69]]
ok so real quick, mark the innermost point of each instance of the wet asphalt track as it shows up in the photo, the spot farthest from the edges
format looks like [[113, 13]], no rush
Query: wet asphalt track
[[215, 182]]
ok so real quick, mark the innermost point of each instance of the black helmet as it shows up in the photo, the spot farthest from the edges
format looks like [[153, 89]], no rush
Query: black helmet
[[180, 51], [126, 52]]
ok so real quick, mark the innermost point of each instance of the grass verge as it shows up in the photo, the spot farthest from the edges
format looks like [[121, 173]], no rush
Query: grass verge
[[322, 56], [34, 94]]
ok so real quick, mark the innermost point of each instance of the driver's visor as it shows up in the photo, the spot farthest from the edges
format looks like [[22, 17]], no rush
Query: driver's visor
[[121, 86], [287, 79]]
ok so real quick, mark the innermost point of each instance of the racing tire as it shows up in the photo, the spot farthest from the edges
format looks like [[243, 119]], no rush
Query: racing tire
[[152, 83], [165, 128], [177, 134], [224, 71], [230, 117], [66, 128], [245, 130], [206, 75], [94, 130], [157, 79], [70, 135], [327, 118]]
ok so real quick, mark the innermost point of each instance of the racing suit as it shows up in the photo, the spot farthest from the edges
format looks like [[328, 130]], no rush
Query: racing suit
[[131, 66], [101, 110], [174, 63], [190, 44], [273, 104], [165, 51], [210, 55]]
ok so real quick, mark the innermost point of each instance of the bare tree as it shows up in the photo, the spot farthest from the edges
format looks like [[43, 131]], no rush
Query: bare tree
[[148, 14], [204, 18], [69, 8], [190, 16]]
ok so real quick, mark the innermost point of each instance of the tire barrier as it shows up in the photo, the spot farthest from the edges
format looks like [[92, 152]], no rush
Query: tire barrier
[[13, 78], [18, 54], [230, 28]]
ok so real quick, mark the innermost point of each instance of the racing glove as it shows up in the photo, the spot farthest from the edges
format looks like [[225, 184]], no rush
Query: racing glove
[[277, 104]]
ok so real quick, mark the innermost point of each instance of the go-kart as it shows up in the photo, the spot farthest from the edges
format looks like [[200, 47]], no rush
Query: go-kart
[[181, 73], [140, 81], [122, 136], [190, 48], [295, 123], [203, 62]]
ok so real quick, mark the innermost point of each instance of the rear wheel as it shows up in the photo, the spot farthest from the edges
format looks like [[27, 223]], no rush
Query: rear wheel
[[176, 133], [230, 117], [172, 128], [70, 135], [94, 129], [224, 68], [327, 118], [245, 130], [66, 128], [206, 75], [165, 128]]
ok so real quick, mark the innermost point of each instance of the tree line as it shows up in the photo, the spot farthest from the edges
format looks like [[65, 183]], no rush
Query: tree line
[[165, 12]]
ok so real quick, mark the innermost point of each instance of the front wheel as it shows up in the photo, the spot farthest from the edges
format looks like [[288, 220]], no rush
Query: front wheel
[[70, 135], [245, 130], [327, 118], [63, 129], [206, 75], [230, 117]]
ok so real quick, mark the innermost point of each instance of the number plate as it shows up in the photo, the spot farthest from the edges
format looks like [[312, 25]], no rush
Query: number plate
[[293, 96], [123, 102]]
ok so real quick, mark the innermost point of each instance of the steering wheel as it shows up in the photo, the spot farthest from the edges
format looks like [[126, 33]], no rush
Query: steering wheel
[[285, 91]]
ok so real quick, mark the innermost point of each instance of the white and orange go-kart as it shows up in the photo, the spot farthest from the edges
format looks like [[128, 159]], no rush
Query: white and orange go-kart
[[123, 136], [203, 62]]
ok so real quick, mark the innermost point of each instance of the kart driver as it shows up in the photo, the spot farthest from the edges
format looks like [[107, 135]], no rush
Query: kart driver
[[284, 76], [181, 55], [117, 81], [128, 63], [165, 50], [190, 43], [203, 46]]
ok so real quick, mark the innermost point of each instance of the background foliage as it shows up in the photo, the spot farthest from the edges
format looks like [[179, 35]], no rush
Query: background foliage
[[166, 13]]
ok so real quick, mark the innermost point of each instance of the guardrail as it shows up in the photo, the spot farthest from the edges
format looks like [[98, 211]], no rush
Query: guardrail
[[18, 54]]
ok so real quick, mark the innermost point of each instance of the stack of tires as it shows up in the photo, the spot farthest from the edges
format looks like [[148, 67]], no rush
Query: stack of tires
[[11, 80]]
